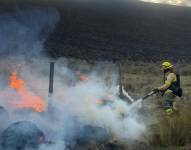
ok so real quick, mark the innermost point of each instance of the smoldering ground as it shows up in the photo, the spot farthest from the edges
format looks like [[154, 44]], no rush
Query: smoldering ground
[[75, 100], [74, 105]]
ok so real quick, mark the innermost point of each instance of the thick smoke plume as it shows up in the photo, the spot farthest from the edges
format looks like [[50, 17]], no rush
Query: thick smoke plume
[[78, 87]]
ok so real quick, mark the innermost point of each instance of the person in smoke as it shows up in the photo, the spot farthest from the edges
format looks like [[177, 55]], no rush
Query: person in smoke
[[171, 87]]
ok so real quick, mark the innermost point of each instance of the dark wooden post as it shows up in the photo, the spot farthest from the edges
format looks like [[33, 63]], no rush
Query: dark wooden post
[[51, 78], [120, 80], [51, 85]]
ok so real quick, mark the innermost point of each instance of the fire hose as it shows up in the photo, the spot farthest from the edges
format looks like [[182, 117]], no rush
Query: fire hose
[[148, 95], [104, 102]]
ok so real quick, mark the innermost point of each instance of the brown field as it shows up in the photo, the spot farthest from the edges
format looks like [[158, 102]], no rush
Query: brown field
[[142, 77], [168, 131], [164, 132]]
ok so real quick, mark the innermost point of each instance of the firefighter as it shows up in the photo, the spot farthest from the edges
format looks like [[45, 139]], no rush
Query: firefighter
[[170, 88]]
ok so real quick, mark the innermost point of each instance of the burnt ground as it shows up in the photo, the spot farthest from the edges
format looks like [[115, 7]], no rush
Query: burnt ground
[[132, 30], [107, 30]]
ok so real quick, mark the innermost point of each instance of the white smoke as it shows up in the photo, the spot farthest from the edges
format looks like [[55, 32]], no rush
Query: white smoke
[[23, 31], [22, 37]]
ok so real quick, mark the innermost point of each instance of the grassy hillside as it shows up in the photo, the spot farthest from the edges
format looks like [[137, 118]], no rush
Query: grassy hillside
[[141, 35], [142, 77], [127, 29], [168, 132], [130, 30], [164, 132]]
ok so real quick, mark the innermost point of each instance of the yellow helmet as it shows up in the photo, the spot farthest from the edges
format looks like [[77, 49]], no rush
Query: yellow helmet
[[166, 65]]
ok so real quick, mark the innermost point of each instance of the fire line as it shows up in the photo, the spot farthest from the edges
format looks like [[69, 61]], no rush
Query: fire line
[[26, 98]]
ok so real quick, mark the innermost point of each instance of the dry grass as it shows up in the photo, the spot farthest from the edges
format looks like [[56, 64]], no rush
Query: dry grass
[[174, 130], [141, 77], [169, 131], [165, 132]]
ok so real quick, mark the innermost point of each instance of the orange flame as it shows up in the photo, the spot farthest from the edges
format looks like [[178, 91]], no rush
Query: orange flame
[[27, 99], [82, 77]]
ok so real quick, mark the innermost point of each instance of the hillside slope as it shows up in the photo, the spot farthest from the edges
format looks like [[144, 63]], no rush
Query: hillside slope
[[129, 30], [110, 29]]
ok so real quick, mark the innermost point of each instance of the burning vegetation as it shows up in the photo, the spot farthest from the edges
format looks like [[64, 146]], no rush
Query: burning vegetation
[[26, 99], [86, 111]]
